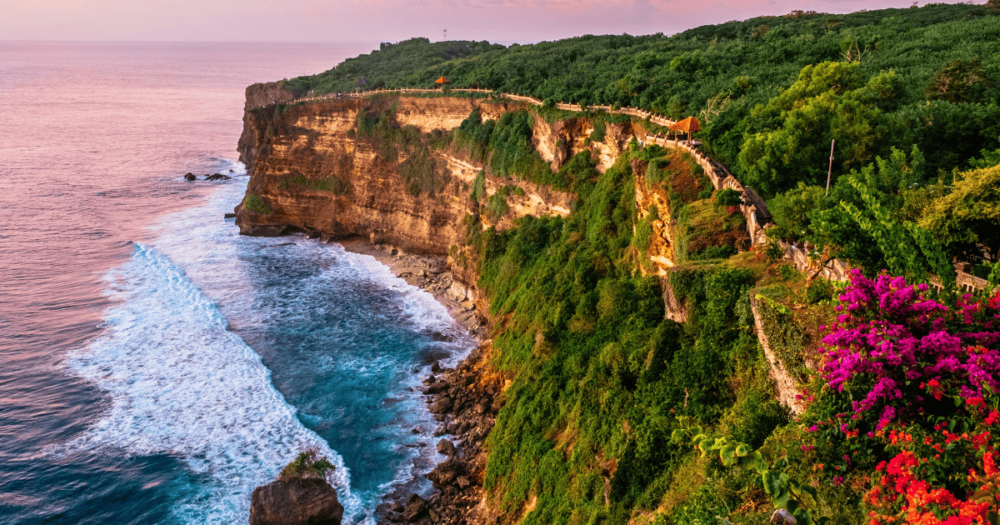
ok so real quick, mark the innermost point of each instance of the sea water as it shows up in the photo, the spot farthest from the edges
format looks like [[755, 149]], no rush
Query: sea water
[[157, 366]]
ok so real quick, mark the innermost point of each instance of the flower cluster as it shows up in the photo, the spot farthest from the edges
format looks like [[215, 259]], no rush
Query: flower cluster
[[893, 351], [925, 482]]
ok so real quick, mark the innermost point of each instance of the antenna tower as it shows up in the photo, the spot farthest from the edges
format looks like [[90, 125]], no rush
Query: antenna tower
[[445, 35]]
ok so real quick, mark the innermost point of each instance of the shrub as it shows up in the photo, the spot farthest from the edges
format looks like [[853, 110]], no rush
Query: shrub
[[820, 290], [332, 184], [421, 174], [912, 383], [479, 186], [308, 464], [255, 204], [727, 198], [773, 251], [600, 129], [643, 236], [893, 337], [714, 252]]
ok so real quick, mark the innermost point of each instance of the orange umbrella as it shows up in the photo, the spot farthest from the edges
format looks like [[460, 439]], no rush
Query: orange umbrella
[[441, 80]]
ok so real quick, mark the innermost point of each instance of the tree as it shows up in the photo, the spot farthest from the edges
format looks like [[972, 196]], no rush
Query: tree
[[865, 227], [958, 81], [790, 211], [827, 102], [970, 213]]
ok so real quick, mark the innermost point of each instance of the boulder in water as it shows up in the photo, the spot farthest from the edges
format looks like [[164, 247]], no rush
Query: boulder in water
[[217, 176], [446, 447], [300, 496], [190, 176], [297, 501]]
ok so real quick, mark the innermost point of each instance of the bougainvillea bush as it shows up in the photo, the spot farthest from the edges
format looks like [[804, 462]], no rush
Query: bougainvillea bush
[[908, 404]]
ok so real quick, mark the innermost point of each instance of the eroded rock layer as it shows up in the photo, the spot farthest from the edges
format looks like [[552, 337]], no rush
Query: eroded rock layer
[[313, 168]]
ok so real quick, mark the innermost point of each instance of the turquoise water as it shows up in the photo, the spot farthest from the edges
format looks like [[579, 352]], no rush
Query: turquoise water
[[156, 365]]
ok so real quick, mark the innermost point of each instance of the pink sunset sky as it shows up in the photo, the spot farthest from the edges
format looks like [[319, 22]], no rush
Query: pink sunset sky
[[503, 21]]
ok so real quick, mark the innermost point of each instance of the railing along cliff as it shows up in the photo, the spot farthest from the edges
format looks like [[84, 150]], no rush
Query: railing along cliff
[[753, 208]]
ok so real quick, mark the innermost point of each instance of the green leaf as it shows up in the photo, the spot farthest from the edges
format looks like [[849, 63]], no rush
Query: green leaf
[[808, 489], [772, 483], [802, 517], [781, 500], [728, 455], [705, 446], [753, 462]]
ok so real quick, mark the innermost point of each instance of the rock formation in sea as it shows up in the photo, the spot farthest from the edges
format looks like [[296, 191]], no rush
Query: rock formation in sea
[[297, 501]]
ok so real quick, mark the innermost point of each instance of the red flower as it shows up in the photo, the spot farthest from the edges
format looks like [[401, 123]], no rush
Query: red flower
[[933, 388]]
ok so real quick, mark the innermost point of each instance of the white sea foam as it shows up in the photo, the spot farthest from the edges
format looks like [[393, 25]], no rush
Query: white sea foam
[[421, 309], [182, 384]]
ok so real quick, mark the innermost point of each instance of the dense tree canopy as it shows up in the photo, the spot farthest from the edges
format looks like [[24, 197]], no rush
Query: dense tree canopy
[[896, 60]]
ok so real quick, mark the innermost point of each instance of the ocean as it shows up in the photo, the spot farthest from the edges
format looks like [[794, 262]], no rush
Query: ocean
[[155, 366]]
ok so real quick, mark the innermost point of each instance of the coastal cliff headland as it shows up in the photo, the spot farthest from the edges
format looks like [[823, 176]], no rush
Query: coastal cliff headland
[[391, 176], [671, 324]]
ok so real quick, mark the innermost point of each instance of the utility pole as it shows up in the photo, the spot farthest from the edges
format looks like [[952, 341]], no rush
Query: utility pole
[[445, 35], [830, 172]]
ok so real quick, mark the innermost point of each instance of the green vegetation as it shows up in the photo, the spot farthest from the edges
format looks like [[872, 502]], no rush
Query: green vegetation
[[308, 464], [615, 413], [496, 204], [599, 375], [332, 184], [377, 128], [740, 77], [255, 204], [505, 145], [644, 231], [772, 93], [411, 63]]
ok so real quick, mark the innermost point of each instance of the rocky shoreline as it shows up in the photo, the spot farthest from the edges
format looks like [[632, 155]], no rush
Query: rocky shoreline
[[428, 273], [464, 401]]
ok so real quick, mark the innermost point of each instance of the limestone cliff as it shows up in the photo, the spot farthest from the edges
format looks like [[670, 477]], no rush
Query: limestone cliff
[[258, 95], [314, 169]]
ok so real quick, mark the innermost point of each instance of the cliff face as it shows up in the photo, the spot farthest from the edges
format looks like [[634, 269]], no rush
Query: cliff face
[[313, 169], [258, 95]]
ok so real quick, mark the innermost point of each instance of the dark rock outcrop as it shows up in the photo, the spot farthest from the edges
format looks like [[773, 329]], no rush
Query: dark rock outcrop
[[298, 501], [217, 176], [473, 395], [416, 508], [446, 447]]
